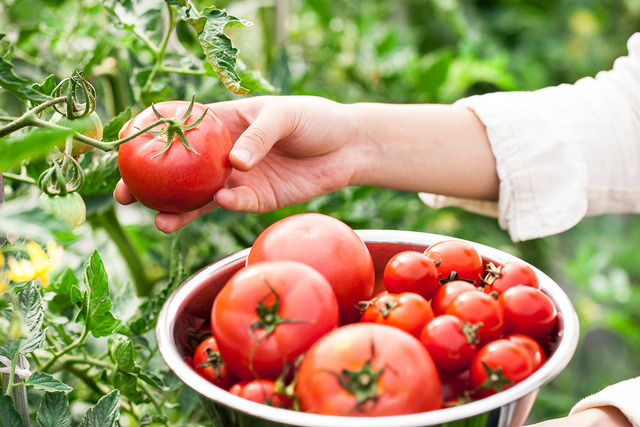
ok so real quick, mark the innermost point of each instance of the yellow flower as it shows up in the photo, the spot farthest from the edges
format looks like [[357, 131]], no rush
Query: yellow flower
[[4, 286], [37, 266]]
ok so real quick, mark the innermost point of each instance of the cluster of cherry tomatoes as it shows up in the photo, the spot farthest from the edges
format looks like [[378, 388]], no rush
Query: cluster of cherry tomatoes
[[304, 326]]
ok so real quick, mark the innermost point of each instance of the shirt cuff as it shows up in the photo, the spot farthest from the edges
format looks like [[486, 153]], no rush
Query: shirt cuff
[[622, 395]]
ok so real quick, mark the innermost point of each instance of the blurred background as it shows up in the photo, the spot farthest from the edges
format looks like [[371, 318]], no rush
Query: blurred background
[[397, 51]]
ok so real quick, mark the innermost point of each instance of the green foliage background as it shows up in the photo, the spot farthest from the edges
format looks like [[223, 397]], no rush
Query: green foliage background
[[403, 51]]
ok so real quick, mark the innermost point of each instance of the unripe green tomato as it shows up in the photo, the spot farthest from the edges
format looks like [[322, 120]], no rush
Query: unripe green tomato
[[93, 129], [69, 208]]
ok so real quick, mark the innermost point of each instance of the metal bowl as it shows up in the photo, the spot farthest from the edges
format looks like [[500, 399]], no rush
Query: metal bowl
[[191, 303]]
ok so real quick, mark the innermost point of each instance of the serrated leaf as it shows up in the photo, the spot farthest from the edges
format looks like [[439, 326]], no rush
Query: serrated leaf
[[124, 355], [105, 413], [101, 176], [9, 416], [218, 48], [29, 146], [46, 382], [47, 86], [128, 385], [30, 303], [17, 85], [113, 126], [152, 379], [54, 410]]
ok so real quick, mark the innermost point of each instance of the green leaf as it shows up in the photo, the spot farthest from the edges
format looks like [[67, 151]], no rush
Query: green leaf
[[123, 354], [209, 26], [10, 417], [61, 286], [18, 86], [54, 410], [101, 176], [94, 302], [152, 379], [105, 413], [29, 146], [47, 86], [46, 382], [21, 216], [128, 385], [113, 126], [30, 303]]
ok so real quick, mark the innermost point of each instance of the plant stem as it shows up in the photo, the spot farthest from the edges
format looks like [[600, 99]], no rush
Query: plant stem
[[159, 53], [54, 358], [19, 178]]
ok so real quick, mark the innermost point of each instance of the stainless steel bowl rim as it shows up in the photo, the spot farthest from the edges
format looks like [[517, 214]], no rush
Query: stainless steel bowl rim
[[554, 365]]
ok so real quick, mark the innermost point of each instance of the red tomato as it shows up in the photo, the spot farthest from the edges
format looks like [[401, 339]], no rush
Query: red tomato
[[502, 277], [528, 311], [498, 366], [411, 271], [368, 369], [476, 306], [261, 391], [456, 256], [532, 346], [455, 389], [407, 311], [209, 364], [451, 342], [447, 293], [328, 245], [268, 314], [177, 180]]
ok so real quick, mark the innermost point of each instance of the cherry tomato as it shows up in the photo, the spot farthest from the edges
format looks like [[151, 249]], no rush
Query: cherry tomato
[[368, 369], [528, 311], [451, 342], [455, 389], [411, 271], [532, 346], [511, 273], [328, 245], [209, 364], [498, 366], [476, 306], [261, 391], [407, 311], [447, 293], [177, 180], [456, 256], [268, 314]]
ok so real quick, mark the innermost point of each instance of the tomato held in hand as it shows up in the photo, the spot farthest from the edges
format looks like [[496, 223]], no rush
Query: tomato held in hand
[[209, 364], [328, 245], [456, 256], [476, 306], [268, 314], [368, 369], [261, 391], [528, 311], [411, 271], [451, 342], [407, 311], [501, 277], [185, 176]]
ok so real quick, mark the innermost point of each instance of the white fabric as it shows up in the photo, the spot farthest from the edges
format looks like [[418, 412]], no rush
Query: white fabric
[[563, 152]]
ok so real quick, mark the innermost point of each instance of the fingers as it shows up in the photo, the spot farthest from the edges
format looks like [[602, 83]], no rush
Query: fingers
[[240, 199], [170, 222], [122, 194]]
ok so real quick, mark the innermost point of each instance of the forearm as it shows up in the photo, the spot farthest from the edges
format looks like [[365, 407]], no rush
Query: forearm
[[432, 148]]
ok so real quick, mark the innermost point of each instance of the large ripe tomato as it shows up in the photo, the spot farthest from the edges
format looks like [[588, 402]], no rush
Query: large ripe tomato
[[411, 271], [451, 342], [328, 245], [407, 311], [501, 277], [528, 311], [261, 391], [268, 314], [456, 256], [177, 180], [498, 366], [368, 369], [447, 293], [209, 364], [476, 306]]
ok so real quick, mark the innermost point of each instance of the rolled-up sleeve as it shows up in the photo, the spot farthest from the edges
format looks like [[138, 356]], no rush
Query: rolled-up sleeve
[[562, 152], [623, 395]]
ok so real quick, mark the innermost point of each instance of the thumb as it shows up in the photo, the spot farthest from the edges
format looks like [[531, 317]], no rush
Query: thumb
[[256, 141]]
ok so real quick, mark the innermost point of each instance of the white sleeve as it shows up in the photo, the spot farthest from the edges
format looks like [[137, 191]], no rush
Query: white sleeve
[[622, 395], [563, 152]]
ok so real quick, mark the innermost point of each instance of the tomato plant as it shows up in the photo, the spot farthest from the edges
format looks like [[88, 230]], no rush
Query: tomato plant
[[208, 363], [261, 391], [328, 245], [411, 271], [475, 307], [528, 311], [501, 277], [451, 342], [456, 259], [407, 311], [368, 369], [179, 165], [268, 314]]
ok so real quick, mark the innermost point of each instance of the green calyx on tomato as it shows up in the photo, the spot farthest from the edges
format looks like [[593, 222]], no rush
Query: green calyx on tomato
[[268, 315], [213, 359], [496, 379]]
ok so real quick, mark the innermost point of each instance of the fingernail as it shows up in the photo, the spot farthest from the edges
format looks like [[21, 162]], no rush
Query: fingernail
[[243, 155]]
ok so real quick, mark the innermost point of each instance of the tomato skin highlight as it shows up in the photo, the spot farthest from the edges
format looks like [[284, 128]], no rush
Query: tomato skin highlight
[[177, 180], [447, 293], [297, 300], [476, 306], [411, 271], [407, 311], [534, 348], [456, 256], [328, 245], [528, 311], [405, 379]]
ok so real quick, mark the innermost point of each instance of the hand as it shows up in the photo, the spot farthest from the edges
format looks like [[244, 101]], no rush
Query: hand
[[608, 416], [287, 150]]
